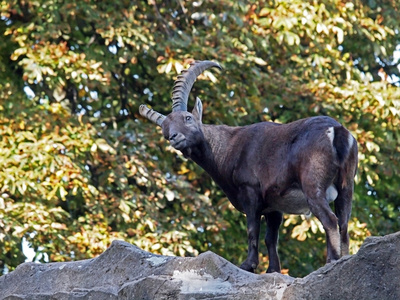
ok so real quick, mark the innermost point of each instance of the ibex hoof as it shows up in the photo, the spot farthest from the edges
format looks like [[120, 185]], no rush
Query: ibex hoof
[[249, 267]]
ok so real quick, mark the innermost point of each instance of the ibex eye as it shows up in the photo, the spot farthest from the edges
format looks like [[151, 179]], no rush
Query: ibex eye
[[188, 118]]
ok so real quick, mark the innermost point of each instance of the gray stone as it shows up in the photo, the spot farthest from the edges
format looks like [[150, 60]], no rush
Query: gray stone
[[124, 271], [372, 273]]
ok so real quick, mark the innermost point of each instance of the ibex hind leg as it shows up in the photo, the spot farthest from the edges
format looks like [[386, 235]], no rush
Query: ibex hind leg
[[319, 206], [343, 211]]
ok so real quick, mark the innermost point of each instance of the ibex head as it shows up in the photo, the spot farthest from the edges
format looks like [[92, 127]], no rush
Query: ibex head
[[182, 128]]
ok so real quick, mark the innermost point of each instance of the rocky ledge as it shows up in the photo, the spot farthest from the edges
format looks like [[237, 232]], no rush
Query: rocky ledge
[[124, 271]]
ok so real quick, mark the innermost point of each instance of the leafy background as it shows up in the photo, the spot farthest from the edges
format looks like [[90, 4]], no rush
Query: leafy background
[[79, 168]]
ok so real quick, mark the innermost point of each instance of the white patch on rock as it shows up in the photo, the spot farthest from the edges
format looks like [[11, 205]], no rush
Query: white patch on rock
[[193, 282], [155, 261]]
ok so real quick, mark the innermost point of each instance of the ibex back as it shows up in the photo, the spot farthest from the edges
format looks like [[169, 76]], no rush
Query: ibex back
[[267, 169]]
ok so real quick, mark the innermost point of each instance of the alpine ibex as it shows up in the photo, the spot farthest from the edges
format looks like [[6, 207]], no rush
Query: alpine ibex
[[267, 169]]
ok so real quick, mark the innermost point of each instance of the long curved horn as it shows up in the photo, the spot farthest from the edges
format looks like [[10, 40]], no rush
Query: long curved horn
[[185, 81], [152, 115]]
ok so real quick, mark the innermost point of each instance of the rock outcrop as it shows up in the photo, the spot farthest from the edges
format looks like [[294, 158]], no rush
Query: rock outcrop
[[372, 273], [127, 272]]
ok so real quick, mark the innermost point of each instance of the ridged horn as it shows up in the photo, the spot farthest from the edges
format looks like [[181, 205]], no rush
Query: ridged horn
[[151, 115], [185, 81]]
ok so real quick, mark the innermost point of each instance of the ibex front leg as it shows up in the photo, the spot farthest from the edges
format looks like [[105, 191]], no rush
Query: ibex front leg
[[273, 220], [253, 232]]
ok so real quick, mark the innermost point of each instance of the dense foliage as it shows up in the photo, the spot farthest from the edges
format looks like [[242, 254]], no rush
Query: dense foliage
[[79, 167]]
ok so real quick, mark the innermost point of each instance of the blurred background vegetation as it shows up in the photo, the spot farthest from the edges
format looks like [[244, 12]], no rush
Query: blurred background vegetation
[[79, 167]]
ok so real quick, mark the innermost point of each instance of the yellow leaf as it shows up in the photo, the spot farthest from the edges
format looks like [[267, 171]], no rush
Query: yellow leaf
[[181, 251], [168, 67], [260, 61], [124, 207], [394, 111], [369, 179], [17, 53], [161, 68], [93, 148], [122, 60], [169, 195], [96, 65], [104, 146], [63, 192], [210, 75], [178, 67], [51, 194], [120, 41], [183, 170], [156, 247], [314, 227], [151, 225], [322, 28], [59, 93], [339, 33], [264, 12]]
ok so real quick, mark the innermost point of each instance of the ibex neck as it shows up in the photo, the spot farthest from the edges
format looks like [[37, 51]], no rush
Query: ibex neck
[[214, 152]]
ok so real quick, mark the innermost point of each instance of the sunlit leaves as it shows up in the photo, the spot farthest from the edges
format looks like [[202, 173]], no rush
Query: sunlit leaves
[[79, 167], [166, 66]]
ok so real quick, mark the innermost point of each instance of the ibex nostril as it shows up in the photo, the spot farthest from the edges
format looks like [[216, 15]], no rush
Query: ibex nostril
[[172, 136]]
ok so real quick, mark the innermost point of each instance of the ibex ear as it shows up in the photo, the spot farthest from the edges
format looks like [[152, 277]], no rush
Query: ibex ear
[[198, 109]]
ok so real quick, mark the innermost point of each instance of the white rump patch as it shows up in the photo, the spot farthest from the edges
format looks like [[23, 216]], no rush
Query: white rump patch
[[350, 140], [331, 193], [330, 133]]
